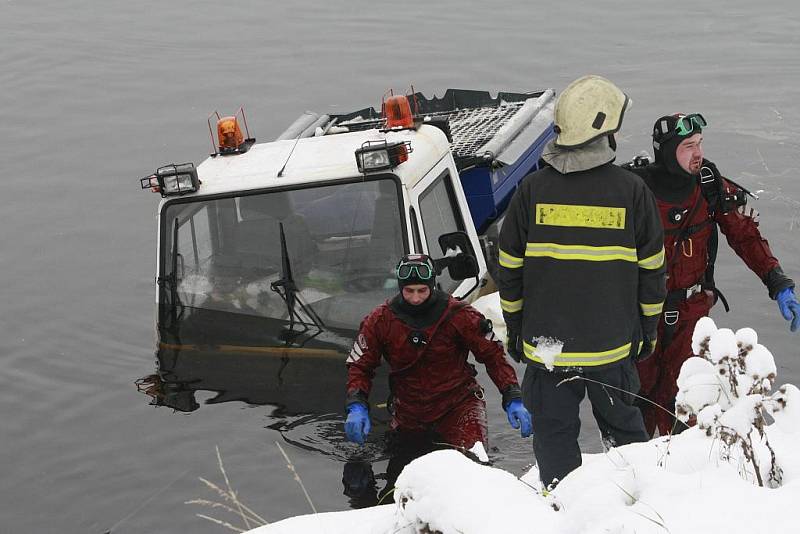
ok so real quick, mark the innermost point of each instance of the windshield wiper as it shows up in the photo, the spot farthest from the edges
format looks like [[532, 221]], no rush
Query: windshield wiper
[[287, 289]]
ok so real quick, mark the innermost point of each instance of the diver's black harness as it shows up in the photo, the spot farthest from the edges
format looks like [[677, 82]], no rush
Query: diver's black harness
[[719, 199]]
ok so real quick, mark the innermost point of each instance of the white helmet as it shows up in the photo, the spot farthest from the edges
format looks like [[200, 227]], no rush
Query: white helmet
[[589, 108]]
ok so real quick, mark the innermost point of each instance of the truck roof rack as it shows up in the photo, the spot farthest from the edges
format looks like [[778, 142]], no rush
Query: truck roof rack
[[474, 118]]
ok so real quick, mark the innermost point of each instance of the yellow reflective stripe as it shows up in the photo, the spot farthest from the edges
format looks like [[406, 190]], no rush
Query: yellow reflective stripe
[[580, 216], [581, 359], [653, 262], [651, 309], [511, 306], [509, 261], [580, 252]]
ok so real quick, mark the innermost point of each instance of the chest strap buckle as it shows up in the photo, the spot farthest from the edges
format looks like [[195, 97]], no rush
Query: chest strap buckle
[[671, 317]]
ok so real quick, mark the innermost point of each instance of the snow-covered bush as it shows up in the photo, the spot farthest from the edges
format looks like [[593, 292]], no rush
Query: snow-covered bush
[[726, 389]]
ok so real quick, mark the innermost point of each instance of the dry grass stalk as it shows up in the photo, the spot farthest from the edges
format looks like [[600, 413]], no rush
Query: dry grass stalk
[[387, 494], [223, 523], [230, 498], [635, 500], [297, 478], [403, 527], [213, 504], [230, 489], [249, 517]]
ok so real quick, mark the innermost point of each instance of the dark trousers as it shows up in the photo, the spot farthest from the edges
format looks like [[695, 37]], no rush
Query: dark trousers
[[556, 413]]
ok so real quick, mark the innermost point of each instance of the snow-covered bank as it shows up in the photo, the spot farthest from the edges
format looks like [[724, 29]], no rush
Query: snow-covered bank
[[736, 471]]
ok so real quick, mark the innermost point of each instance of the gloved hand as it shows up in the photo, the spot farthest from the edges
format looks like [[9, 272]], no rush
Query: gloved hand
[[790, 308], [357, 425], [514, 345], [519, 417], [647, 350]]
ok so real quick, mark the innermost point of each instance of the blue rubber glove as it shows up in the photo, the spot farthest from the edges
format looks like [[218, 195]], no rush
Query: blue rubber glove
[[519, 417], [790, 308], [357, 425]]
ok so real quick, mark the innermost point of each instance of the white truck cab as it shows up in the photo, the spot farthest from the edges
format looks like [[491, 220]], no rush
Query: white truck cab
[[281, 248]]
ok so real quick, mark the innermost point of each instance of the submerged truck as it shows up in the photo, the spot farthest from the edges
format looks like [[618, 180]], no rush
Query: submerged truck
[[272, 253]]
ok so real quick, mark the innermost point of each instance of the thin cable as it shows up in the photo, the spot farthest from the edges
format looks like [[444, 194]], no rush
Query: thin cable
[[579, 377]]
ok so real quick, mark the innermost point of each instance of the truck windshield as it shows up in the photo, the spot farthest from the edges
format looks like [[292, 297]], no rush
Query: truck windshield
[[343, 242]]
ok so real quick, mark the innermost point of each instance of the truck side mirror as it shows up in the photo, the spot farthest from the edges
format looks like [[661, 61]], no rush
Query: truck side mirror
[[459, 256], [463, 266]]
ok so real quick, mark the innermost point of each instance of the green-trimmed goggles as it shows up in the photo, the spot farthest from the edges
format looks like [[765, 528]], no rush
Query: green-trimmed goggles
[[406, 269], [684, 127]]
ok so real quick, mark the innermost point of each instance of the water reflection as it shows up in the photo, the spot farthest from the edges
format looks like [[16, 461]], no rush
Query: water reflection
[[305, 396], [384, 451], [323, 434], [359, 481], [172, 394], [290, 381]]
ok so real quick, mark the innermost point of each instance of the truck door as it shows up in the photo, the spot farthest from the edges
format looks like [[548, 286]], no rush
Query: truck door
[[439, 206]]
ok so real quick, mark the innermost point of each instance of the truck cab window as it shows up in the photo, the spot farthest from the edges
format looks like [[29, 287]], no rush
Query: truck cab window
[[440, 216], [194, 238]]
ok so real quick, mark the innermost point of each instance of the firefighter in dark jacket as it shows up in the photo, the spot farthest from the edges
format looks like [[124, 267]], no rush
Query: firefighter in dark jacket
[[581, 280], [425, 335], [694, 200]]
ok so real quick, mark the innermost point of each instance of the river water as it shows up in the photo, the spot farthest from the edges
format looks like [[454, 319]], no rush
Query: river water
[[95, 95]]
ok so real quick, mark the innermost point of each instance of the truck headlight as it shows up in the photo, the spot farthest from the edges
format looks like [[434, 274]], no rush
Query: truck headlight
[[380, 155], [173, 179]]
